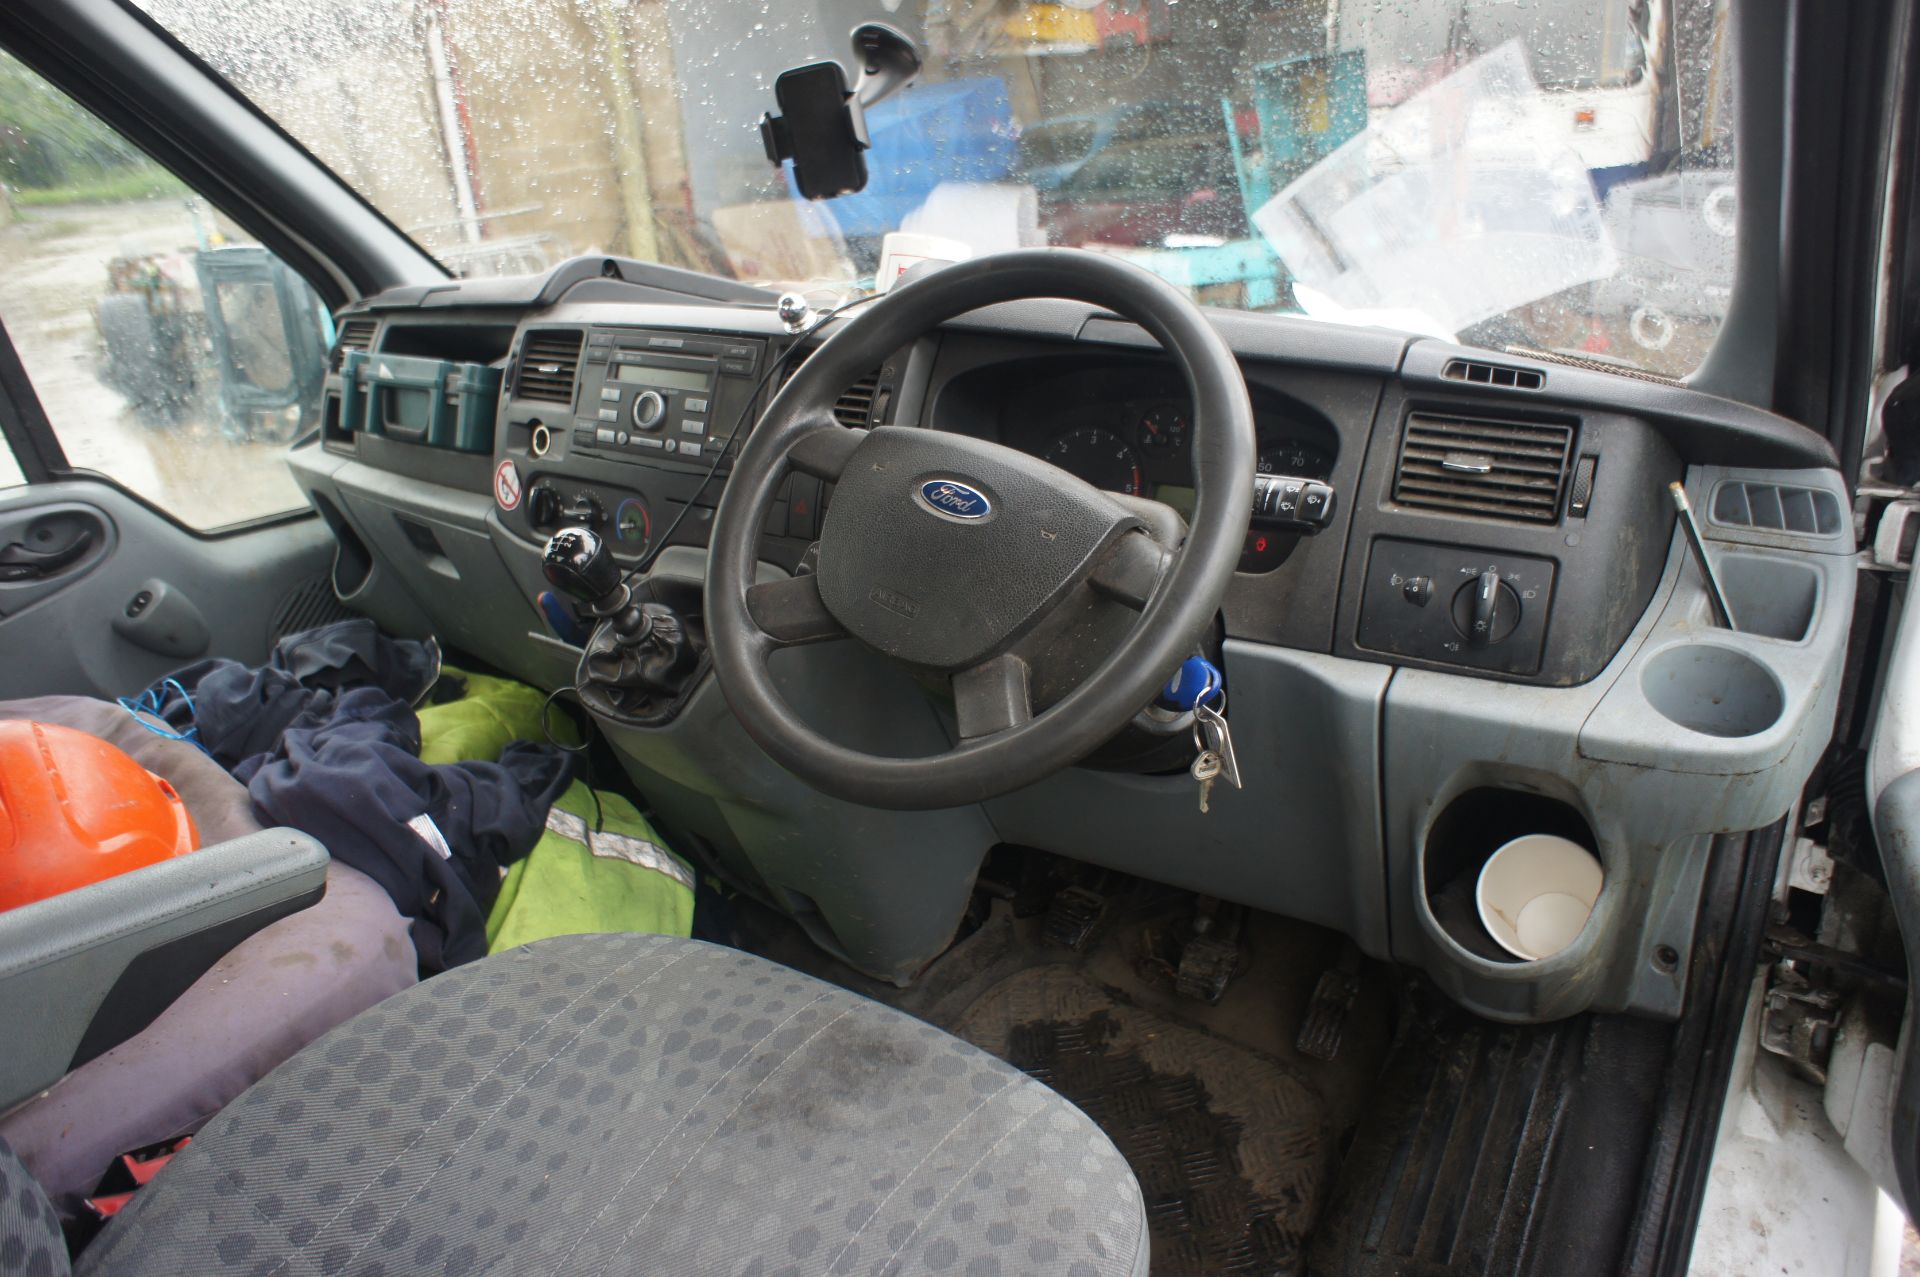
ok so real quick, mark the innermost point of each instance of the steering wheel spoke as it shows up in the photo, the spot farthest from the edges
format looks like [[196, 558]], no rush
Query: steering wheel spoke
[[791, 612], [1131, 570], [993, 696], [824, 450]]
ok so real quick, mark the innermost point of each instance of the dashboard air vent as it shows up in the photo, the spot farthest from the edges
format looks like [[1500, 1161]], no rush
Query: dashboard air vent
[[1480, 373], [355, 334], [1497, 469], [549, 365], [855, 404], [854, 407]]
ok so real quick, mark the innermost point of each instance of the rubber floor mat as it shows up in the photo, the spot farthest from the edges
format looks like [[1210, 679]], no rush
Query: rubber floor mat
[[1230, 1147]]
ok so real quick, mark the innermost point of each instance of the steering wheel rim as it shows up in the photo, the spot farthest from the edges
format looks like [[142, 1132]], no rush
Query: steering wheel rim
[[1177, 598]]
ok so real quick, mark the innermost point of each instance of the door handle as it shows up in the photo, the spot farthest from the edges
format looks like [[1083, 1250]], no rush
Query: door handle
[[20, 562]]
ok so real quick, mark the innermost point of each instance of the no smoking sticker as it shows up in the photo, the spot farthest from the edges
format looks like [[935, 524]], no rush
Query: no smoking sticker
[[506, 484]]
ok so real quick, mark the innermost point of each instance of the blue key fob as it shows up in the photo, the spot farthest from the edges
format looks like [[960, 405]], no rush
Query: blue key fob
[[1197, 680]]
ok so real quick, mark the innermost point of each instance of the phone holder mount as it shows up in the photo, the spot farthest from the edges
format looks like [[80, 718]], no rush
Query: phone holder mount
[[822, 125]]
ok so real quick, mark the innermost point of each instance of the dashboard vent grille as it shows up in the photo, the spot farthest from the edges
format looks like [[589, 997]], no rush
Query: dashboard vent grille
[[854, 407], [1497, 469], [1480, 373], [355, 334], [855, 403], [548, 366]]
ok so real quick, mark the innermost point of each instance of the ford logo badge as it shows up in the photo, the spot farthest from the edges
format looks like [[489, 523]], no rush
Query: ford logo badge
[[951, 497]]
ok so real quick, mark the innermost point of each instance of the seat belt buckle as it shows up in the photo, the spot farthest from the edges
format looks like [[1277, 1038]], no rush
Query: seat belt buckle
[[130, 1173]]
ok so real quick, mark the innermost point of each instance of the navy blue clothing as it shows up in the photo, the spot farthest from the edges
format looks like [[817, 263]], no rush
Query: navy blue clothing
[[242, 711], [326, 741]]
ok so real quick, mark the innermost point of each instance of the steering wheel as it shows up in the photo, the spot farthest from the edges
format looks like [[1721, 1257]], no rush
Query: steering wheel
[[944, 552]]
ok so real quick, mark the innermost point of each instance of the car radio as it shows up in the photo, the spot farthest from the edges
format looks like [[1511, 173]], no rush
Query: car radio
[[647, 395]]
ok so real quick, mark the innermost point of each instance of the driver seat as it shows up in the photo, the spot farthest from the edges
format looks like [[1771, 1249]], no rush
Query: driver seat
[[614, 1104]]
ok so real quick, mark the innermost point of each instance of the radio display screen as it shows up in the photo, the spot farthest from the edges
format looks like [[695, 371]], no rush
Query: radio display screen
[[663, 378]]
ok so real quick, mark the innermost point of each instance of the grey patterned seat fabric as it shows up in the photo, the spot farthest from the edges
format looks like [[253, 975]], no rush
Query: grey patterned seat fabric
[[30, 1240], [624, 1104]]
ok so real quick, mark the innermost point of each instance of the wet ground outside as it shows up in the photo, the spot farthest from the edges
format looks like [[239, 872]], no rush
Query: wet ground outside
[[54, 265]]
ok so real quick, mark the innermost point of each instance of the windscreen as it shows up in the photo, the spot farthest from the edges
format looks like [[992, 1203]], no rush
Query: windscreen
[[1546, 174]]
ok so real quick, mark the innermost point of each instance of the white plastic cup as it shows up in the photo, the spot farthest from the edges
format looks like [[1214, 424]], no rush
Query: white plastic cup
[[1536, 893]]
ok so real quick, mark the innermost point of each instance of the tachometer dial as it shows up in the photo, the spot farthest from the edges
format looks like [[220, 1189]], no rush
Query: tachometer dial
[[1099, 456], [1296, 457], [1163, 432]]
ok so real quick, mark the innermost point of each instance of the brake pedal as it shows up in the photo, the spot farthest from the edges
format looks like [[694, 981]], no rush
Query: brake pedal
[[1212, 952], [1074, 918], [1206, 967]]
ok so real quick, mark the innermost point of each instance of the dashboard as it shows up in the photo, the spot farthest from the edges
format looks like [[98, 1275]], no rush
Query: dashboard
[[1381, 461], [1462, 601]]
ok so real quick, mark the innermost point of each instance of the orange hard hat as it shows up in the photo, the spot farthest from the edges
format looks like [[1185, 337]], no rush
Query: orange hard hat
[[75, 810]]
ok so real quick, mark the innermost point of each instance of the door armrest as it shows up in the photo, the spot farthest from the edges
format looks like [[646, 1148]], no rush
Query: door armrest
[[84, 971]]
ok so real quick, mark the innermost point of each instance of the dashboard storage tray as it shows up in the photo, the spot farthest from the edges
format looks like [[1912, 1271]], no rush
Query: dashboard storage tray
[[436, 402]]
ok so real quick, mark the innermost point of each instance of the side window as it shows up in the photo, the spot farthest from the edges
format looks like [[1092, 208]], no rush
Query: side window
[[168, 352]]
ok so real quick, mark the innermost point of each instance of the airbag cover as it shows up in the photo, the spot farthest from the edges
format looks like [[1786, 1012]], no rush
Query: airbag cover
[[941, 550]]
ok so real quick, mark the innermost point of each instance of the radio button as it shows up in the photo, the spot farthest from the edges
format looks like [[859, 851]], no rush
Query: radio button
[[689, 425], [694, 405], [610, 394]]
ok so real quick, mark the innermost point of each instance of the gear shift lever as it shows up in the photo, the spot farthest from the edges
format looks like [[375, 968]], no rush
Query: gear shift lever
[[644, 645], [578, 564]]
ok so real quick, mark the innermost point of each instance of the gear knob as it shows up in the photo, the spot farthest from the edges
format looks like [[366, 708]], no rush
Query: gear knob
[[579, 565]]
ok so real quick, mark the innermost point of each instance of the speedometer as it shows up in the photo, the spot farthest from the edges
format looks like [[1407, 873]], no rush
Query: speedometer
[[1099, 456], [1295, 457]]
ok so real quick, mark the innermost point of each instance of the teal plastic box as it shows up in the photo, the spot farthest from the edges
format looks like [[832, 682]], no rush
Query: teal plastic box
[[436, 402]]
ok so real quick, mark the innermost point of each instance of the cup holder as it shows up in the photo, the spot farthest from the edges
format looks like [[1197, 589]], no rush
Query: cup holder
[[1713, 690], [1466, 834]]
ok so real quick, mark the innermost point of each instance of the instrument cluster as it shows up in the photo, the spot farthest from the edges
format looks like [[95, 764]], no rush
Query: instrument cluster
[[1143, 448]]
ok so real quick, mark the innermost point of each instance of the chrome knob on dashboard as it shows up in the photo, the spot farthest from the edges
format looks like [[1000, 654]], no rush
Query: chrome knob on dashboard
[[649, 409]]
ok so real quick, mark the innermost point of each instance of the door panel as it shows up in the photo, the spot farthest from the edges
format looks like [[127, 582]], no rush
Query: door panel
[[1893, 772], [78, 624]]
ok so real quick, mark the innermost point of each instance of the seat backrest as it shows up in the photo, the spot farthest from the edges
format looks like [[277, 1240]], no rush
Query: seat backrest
[[30, 1240]]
